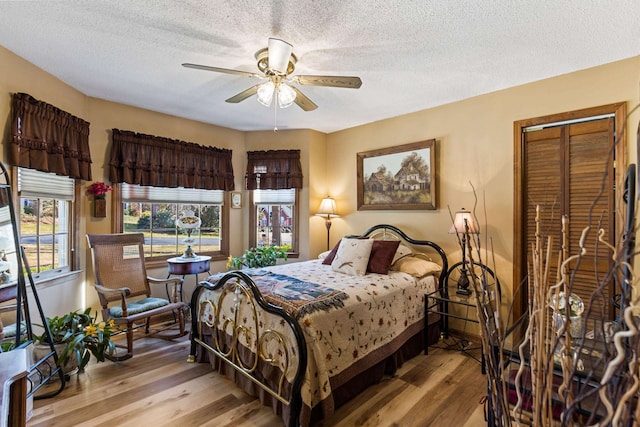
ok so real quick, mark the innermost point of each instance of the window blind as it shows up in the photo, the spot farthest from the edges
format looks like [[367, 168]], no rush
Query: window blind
[[274, 197], [44, 185], [140, 193], [5, 216]]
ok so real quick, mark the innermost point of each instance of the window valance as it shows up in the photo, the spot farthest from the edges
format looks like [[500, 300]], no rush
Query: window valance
[[47, 139], [162, 162], [273, 170]]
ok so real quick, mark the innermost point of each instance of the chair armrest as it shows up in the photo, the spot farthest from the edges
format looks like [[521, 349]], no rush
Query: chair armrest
[[174, 282], [124, 292]]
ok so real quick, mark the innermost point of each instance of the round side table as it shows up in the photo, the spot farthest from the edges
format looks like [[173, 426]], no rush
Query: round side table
[[179, 266]]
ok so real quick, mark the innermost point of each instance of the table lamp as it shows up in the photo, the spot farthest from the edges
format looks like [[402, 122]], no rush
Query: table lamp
[[189, 221], [463, 224], [328, 211]]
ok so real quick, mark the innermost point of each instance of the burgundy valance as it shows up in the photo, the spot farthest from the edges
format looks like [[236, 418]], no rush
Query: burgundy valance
[[162, 162], [48, 139], [273, 170]]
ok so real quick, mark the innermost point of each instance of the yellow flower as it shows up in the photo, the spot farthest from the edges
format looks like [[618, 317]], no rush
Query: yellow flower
[[111, 323], [101, 326], [229, 261], [91, 329]]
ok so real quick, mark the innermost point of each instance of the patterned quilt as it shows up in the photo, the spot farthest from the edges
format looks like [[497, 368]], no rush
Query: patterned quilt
[[345, 318]]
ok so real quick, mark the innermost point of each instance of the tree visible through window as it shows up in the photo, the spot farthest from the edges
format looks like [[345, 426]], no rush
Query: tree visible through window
[[162, 236], [147, 210]]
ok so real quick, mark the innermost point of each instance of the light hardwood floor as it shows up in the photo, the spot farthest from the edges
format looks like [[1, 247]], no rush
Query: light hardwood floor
[[157, 387]]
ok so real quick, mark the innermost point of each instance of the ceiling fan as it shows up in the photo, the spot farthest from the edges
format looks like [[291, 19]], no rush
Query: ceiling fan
[[277, 63]]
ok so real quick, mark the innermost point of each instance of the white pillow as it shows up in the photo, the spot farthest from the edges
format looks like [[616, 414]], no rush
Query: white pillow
[[352, 256], [323, 255]]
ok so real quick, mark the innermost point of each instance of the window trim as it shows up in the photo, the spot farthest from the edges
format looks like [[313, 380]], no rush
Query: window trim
[[253, 238], [117, 226]]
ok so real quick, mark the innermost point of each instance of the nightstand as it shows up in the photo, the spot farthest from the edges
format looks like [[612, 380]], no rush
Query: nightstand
[[456, 300]]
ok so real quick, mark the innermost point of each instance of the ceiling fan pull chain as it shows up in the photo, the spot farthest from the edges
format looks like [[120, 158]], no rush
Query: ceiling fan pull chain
[[275, 113]]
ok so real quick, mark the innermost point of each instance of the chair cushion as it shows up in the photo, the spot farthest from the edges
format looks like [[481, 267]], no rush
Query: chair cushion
[[136, 307]]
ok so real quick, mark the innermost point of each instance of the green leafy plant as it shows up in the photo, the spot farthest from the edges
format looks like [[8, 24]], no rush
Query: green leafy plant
[[262, 256], [82, 335]]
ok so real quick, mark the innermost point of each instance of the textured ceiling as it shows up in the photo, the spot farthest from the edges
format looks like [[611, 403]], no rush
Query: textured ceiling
[[411, 55]]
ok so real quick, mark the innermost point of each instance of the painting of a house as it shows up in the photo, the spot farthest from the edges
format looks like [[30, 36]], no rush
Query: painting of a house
[[397, 178]]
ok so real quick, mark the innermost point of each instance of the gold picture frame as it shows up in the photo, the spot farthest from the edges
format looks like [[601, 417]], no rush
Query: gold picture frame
[[235, 199], [397, 178]]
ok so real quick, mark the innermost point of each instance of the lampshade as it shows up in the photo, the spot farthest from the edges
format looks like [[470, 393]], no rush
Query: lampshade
[[463, 216], [286, 95], [328, 208], [265, 93]]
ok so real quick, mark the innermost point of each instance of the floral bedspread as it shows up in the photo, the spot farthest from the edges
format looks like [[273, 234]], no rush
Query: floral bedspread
[[344, 318]]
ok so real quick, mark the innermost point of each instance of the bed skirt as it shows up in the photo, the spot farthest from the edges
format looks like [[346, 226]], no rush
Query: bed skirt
[[345, 385]]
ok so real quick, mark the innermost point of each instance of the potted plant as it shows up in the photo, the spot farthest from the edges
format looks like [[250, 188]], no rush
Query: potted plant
[[261, 256], [76, 337]]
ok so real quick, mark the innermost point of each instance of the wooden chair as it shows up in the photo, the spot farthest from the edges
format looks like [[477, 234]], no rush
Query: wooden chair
[[121, 276]]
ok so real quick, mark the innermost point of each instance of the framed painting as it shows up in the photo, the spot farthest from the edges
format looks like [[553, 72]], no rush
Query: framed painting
[[397, 178]]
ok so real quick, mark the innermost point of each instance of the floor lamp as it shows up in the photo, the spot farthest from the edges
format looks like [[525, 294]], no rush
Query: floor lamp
[[463, 224], [328, 211]]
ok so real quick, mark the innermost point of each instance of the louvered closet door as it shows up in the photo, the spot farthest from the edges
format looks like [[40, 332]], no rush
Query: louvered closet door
[[564, 173]]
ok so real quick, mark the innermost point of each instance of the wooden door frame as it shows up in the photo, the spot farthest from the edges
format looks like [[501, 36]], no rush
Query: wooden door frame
[[519, 252]]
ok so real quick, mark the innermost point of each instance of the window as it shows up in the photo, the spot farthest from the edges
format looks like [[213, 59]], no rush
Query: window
[[46, 220], [273, 177], [274, 218], [153, 211]]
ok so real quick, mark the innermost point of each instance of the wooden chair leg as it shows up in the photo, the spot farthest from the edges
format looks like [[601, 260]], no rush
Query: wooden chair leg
[[181, 320], [130, 339], [147, 325], [120, 356]]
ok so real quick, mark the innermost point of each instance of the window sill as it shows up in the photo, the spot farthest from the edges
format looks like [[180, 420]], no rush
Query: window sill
[[47, 280]]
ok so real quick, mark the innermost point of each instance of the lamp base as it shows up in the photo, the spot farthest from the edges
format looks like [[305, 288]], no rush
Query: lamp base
[[462, 291], [4, 278], [189, 253]]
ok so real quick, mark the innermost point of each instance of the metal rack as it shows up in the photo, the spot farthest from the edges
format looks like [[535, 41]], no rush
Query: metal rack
[[46, 368]]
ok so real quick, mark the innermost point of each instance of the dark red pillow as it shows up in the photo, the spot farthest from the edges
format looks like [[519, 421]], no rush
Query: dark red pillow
[[382, 254], [329, 258]]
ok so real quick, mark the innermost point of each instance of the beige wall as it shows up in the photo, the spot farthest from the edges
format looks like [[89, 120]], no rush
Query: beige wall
[[475, 145]]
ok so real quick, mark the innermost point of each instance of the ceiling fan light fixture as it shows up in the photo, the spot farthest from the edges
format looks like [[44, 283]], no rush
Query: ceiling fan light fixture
[[276, 64], [265, 93], [286, 95]]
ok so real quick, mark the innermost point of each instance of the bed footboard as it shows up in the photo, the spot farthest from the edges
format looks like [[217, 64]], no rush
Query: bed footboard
[[229, 313]]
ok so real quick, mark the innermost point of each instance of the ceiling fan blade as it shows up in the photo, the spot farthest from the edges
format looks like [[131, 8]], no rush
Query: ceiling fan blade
[[279, 55], [221, 70], [333, 81], [243, 95], [303, 101]]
